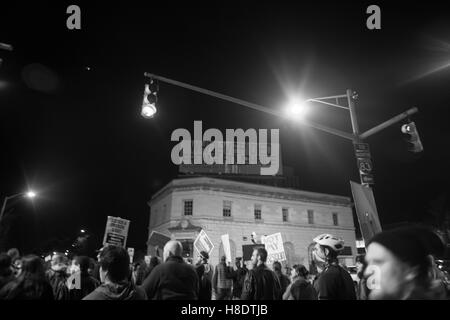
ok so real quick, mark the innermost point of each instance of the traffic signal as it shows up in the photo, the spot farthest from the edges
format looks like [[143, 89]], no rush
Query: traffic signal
[[411, 129], [150, 99]]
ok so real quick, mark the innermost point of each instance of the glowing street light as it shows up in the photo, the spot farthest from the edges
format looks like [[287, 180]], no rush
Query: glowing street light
[[30, 194], [297, 108]]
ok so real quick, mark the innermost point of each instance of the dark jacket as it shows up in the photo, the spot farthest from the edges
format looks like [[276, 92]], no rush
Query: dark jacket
[[172, 280], [334, 283], [284, 281], [5, 279], [300, 289], [87, 285], [204, 273], [261, 283], [238, 277], [58, 281], [125, 291], [26, 289]]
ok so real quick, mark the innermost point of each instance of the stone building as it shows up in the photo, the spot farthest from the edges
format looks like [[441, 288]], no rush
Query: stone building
[[185, 206]]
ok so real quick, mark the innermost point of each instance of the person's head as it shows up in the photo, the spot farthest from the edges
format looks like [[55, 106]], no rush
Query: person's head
[[59, 262], [83, 263], [173, 249], [5, 265], [114, 264], [204, 256], [223, 259], [299, 270], [326, 250], [99, 252], [276, 266], [361, 265], [398, 262], [14, 254], [154, 261], [32, 267], [259, 256], [237, 262]]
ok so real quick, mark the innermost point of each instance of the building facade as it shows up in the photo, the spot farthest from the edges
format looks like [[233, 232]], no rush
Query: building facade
[[185, 206]]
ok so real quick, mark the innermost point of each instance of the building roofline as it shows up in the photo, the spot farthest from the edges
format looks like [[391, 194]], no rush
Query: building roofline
[[288, 193]]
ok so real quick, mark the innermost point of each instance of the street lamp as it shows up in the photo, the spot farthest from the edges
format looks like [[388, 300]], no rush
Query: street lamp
[[30, 194], [297, 108]]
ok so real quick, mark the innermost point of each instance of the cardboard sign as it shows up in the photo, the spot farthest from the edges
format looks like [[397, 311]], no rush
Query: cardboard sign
[[203, 243], [275, 248], [226, 247], [116, 232]]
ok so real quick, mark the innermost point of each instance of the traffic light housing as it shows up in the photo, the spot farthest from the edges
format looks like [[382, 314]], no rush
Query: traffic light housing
[[150, 99], [414, 138]]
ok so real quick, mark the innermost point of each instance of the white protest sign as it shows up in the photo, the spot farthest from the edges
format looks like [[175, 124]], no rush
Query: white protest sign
[[116, 232], [74, 281], [131, 254], [226, 247], [275, 248], [203, 243]]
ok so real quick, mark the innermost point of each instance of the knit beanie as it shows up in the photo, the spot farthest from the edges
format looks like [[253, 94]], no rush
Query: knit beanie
[[411, 244]]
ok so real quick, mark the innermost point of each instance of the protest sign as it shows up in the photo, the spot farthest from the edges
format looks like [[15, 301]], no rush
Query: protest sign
[[116, 232]]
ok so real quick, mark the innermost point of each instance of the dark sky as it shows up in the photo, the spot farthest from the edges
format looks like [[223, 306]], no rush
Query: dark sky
[[77, 137]]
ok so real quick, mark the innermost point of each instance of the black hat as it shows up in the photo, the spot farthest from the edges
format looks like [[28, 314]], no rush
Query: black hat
[[411, 244], [204, 254]]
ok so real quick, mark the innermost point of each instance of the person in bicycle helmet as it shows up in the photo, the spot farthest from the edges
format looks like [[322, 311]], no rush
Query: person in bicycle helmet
[[332, 282]]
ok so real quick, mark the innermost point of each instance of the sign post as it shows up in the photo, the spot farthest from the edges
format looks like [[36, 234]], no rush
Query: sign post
[[116, 232], [364, 161]]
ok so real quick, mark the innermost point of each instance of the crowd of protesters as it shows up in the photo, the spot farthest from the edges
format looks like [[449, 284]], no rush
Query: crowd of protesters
[[399, 264]]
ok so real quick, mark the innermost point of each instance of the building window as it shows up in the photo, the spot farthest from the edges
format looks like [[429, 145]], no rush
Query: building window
[[285, 213], [188, 207], [227, 208], [335, 219], [311, 216], [257, 212]]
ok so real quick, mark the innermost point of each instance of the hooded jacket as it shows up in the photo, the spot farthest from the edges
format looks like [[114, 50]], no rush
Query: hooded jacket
[[123, 291]]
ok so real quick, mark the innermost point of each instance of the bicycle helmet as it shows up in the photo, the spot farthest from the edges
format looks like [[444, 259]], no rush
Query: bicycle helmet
[[331, 241]]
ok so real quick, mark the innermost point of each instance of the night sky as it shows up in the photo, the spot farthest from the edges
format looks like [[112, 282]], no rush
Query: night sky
[[70, 101]]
